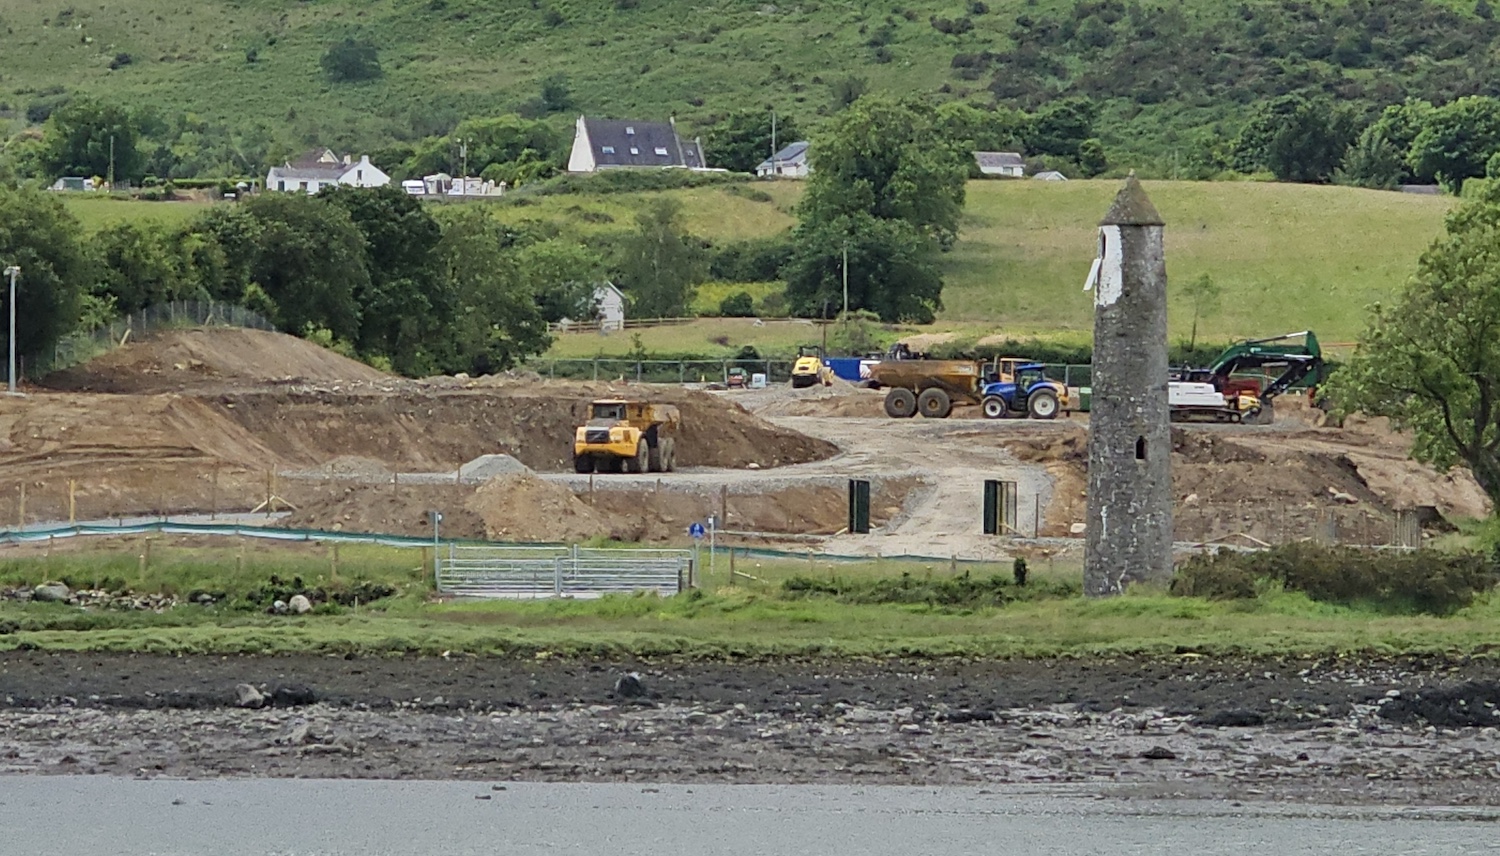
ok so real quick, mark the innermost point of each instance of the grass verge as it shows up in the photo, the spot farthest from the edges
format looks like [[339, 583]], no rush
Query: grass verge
[[749, 617]]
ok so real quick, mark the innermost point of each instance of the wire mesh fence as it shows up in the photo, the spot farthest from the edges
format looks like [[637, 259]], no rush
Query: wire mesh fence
[[79, 348]]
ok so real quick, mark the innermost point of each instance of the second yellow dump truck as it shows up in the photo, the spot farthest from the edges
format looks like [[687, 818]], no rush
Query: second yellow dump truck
[[629, 436]]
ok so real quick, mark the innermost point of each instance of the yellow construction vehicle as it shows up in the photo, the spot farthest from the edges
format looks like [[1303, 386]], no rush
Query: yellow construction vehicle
[[633, 436], [810, 368]]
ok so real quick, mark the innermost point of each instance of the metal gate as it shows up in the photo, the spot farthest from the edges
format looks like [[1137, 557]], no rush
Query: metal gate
[[538, 572]]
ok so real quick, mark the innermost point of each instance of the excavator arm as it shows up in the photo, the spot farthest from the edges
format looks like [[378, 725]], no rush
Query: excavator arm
[[1296, 354]]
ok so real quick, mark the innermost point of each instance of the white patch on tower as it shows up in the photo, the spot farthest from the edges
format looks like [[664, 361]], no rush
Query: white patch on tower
[[1111, 267]]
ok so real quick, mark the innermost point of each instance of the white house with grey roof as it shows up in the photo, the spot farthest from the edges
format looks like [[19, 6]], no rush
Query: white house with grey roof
[[322, 168], [1008, 164], [790, 162], [625, 144]]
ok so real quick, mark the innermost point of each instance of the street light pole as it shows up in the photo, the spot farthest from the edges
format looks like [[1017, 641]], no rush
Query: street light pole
[[846, 282], [13, 271]]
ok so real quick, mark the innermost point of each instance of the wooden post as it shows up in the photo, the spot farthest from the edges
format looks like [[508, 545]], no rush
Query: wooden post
[[723, 506], [213, 494], [333, 559], [21, 508], [72, 502], [732, 551], [239, 559]]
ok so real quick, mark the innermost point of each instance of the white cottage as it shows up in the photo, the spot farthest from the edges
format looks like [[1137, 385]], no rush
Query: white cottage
[[790, 162], [611, 303], [623, 144], [1007, 164], [322, 168]]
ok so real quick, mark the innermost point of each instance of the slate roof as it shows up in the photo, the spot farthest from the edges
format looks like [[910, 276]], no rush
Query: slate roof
[[792, 155], [328, 172], [618, 142], [999, 160]]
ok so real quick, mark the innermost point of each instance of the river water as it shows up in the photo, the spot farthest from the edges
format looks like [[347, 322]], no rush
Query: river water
[[82, 816]]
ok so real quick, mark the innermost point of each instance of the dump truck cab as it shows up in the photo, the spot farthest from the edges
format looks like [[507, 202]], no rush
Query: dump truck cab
[[633, 436], [810, 369], [1022, 389]]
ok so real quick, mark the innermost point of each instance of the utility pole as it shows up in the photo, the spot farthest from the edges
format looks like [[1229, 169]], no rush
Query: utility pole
[[846, 283], [111, 179], [463, 151], [13, 271]]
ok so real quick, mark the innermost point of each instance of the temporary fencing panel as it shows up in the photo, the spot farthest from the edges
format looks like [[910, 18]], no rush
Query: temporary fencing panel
[[539, 572]]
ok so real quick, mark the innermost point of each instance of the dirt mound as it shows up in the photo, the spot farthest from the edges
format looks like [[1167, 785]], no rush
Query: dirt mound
[[186, 359], [522, 507], [390, 511], [1201, 447]]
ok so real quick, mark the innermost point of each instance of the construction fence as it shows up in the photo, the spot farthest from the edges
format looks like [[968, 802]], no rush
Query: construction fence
[[77, 348]]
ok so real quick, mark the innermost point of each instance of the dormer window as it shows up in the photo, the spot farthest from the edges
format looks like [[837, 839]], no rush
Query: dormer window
[[661, 150], [634, 150], [630, 129], [609, 150]]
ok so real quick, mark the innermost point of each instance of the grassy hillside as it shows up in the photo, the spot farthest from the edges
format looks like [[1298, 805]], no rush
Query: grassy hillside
[[1286, 256], [1161, 73]]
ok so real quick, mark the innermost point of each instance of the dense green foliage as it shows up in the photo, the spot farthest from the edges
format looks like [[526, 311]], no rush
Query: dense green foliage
[[38, 236], [1161, 87], [885, 196], [1430, 360], [659, 267], [1392, 581]]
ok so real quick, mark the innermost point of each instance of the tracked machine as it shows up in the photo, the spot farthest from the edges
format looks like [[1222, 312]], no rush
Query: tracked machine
[[1224, 393]]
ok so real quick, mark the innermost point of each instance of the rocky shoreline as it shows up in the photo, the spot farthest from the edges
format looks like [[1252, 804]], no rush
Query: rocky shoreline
[[1397, 732]]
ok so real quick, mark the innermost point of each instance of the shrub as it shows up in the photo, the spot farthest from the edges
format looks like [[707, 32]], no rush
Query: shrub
[[351, 61], [1421, 581], [963, 591], [756, 260], [737, 305]]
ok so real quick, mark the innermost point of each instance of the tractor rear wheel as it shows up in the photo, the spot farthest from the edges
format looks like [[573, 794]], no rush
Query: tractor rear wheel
[[1042, 404], [934, 403], [995, 407], [583, 463], [900, 404]]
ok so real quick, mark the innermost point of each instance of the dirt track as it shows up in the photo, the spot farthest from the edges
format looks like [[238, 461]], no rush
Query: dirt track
[[209, 418], [1317, 725]]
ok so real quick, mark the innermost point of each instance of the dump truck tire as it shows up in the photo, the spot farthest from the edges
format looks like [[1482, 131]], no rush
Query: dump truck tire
[[1042, 404], [668, 454], [900, 404], [583, 463], [654, 458], [802, 381], [995, 407], [934, 404], [642, 460]]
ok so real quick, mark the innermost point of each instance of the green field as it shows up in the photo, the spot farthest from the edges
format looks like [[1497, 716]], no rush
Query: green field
[[97, 212], [1287, 257], [752, 617]]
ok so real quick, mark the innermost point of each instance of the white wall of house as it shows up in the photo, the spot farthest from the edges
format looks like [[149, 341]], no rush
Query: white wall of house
[[611, 307], [582, 157], [1009, 171]]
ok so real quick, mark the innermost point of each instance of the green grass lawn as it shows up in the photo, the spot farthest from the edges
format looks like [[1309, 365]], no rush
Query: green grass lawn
[[97, 212], [1287, 257], [745, 616]]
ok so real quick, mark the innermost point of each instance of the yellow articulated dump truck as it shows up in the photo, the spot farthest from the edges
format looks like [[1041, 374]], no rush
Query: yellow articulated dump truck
[[633, 436]]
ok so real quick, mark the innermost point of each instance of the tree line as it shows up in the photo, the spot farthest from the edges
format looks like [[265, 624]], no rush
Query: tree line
[[374, 273]]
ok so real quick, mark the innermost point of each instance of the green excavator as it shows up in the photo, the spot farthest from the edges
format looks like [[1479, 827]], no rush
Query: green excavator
[[1280, 362]]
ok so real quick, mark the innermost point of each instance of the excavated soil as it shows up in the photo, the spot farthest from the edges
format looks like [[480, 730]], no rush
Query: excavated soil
[[187, 359], [526, 508]]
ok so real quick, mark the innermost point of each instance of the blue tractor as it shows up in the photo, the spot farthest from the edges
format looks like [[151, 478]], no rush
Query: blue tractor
[[1025, 392]]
